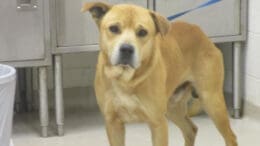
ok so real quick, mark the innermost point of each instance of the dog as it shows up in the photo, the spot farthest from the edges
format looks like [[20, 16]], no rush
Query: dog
[[148, 69]]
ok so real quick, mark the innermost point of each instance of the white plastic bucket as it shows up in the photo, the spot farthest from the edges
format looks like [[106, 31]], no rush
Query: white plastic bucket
[[7, 93]]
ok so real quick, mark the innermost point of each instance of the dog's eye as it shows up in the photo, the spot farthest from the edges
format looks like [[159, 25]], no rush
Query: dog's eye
[[114, 29], [142, 33]]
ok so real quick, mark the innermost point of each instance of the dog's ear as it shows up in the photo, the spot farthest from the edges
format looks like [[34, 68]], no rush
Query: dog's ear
[[161, 23], [97, 10]]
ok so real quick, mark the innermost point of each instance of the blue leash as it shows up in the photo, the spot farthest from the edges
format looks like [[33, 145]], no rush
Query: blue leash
[[210, 2]]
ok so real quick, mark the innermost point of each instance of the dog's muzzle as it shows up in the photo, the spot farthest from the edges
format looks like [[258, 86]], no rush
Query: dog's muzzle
[[126, 55]]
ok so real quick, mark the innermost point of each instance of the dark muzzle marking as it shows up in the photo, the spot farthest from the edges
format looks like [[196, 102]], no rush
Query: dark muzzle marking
[[126, 54]]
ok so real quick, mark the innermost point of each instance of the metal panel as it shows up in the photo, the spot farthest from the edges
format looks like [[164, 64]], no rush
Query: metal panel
[[76, 29], [73, 27], [22, 33], [220, 19]]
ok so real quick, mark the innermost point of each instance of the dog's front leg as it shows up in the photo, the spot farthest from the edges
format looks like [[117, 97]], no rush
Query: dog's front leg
[[116, 132], [159, 131]]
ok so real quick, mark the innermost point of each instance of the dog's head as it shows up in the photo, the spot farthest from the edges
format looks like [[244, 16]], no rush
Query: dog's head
[[127, 32]]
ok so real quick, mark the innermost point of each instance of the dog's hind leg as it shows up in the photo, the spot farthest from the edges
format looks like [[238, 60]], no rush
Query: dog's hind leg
[[177, 113], [214, 106], [209, 86]]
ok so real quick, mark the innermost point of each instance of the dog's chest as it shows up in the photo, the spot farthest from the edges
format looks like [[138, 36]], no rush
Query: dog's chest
[[128, 106]]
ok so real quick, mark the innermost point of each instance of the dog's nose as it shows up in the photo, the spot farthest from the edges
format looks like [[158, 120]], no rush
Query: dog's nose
[[126, 50], [126, 54]]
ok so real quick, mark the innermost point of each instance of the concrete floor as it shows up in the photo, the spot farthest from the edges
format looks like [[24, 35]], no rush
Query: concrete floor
[[86, 128]]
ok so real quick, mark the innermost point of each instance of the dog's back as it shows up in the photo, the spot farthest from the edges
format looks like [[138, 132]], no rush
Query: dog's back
[[187, 49]]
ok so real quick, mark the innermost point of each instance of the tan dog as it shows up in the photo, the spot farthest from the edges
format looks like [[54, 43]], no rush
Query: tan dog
[[147, 68]]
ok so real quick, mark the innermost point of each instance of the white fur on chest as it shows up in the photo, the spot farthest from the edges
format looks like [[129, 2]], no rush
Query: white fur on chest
[[127, 106]]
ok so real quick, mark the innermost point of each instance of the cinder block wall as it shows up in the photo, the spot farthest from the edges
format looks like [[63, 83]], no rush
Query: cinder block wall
[[252, 55]]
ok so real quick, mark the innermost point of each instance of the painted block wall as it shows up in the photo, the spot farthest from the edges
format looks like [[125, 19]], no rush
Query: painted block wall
[[252, 54]]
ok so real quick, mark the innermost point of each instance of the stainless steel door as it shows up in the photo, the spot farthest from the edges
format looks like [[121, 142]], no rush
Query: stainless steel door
[[217, 20], [75, 28], [21, 32]]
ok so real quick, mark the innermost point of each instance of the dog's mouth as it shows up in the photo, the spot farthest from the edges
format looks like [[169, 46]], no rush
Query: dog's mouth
[[124, 65], [125, 61]]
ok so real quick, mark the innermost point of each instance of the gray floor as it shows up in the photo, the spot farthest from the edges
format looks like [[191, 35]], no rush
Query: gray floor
[[84, 127]]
